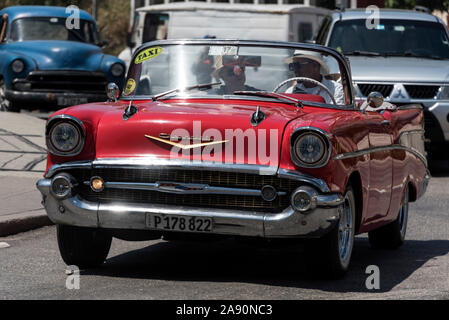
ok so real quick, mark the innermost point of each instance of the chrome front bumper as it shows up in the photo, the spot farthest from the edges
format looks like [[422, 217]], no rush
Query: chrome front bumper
[[75, 211]]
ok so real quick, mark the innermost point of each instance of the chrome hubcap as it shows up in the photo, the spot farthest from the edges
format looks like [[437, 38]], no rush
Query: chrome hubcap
[[345, 231]]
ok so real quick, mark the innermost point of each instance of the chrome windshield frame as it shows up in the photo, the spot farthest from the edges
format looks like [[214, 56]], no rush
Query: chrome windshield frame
[[346, 74]]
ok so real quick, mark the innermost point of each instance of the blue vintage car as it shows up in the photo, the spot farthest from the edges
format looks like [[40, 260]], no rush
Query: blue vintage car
[[47, 60]]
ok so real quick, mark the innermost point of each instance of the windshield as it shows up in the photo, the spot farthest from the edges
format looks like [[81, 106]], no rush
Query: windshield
[[231, 69], [52, 28], [391, 37]]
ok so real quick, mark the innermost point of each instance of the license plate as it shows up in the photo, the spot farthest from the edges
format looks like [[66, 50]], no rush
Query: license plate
[[67, 101], [179, 223]]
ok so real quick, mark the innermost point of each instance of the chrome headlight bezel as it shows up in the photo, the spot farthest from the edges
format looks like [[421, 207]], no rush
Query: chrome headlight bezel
[[321, 137], [18, 66], [78, 127], [117, 70]]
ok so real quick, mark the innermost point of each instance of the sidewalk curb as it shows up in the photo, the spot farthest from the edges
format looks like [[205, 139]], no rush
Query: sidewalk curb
[[23, 222]]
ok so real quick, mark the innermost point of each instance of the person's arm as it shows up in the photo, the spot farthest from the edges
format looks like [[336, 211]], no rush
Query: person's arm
[[339, 93]]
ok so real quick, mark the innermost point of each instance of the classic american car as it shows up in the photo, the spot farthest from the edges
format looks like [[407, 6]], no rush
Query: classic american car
[[207, 140], [47, 59]]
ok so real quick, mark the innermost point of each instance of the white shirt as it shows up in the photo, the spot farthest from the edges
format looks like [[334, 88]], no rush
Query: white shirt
[[334, 87]]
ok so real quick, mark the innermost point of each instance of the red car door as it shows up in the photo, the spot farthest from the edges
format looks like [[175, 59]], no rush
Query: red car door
[[381, 165]]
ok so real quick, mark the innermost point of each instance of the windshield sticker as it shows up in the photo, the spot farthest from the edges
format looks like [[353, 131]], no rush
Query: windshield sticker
[[130, 86], [148, 54], [223, 51]]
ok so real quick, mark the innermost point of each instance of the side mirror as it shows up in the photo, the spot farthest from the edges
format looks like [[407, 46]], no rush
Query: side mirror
[[113, 91], [375, 99], [129, 42]]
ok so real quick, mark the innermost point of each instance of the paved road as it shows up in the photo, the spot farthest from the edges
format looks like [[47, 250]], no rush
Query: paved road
[[32, 269]]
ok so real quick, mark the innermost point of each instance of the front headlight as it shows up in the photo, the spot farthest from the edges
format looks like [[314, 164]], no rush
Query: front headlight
[[443, 93], [18, 66], [310, 150], [117, 70], [65, 138]]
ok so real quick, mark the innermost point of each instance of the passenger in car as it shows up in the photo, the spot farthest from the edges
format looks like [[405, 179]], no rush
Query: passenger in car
[[307, 64], [233, 75]]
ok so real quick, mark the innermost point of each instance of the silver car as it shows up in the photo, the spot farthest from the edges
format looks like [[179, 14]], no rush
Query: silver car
[[404, 55]]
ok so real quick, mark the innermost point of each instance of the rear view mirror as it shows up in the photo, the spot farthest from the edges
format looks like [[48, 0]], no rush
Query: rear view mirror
[[247, 61]]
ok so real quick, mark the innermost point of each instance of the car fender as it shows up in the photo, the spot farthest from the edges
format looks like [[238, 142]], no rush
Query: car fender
[[6, 58]]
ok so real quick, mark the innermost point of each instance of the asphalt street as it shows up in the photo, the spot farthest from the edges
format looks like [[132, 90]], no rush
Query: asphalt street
[[31, 267]]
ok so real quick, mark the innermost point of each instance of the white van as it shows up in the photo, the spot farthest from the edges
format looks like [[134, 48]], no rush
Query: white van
[[185, 20]]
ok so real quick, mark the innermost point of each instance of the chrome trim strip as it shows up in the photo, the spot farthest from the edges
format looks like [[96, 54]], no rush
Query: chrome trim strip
[[302, 177], [383, 148], [153, 162], [68, 166], [160, 186]]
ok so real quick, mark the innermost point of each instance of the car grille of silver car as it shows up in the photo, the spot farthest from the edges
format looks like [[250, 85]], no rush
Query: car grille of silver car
[[414, 91], [367, 88], [422, 92], [212, 178]]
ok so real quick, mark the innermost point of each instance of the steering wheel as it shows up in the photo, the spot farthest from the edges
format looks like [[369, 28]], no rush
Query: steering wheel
[[304, 79]]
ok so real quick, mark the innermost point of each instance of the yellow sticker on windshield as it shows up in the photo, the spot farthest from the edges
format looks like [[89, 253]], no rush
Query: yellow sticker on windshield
[[148, 54], [130, 86]]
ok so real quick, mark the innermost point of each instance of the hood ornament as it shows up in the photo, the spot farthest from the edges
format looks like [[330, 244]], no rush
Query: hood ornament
[[167, 139], [257, 117]]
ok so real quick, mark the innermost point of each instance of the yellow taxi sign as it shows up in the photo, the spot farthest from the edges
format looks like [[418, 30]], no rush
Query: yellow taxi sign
[[148, 54]]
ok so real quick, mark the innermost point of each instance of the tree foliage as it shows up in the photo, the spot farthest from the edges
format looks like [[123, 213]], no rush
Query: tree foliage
[[113, 17]]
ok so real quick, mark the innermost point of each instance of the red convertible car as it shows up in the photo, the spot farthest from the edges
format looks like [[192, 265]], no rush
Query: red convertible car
[[246, 139]]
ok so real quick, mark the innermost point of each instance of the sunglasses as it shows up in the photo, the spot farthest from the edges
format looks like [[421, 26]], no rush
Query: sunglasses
[[298, 65]]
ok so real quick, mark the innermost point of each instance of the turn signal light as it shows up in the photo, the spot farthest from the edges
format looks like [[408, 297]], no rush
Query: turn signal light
[[97, 184]]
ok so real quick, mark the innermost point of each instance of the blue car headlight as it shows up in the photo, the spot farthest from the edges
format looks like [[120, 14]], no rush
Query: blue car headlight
[[117, 70], [18, 66], [310, 150]]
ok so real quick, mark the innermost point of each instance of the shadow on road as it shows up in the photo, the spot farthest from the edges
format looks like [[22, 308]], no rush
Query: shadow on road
[[439, 168], [228, 261]]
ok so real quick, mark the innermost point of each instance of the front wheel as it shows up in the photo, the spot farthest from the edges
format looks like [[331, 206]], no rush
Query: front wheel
[[392, 236], [83, 247], [330, 255]]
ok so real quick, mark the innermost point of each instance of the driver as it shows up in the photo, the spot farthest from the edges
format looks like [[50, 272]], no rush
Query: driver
[[232, 71], [309, 64]]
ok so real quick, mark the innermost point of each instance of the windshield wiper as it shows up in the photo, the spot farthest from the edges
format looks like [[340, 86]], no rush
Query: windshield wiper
[[278, 96], [198, 86], [361, 53], [412, 54]]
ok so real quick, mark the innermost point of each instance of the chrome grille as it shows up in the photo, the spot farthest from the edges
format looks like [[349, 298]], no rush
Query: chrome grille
[[367, 88], [422, 92], [212, 178]]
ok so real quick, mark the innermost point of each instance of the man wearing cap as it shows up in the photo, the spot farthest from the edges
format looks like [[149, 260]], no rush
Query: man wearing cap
[[310, 64]]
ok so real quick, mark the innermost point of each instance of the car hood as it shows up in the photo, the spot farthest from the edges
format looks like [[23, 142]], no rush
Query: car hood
[[53, 55], [228, 125], [398, 69]]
